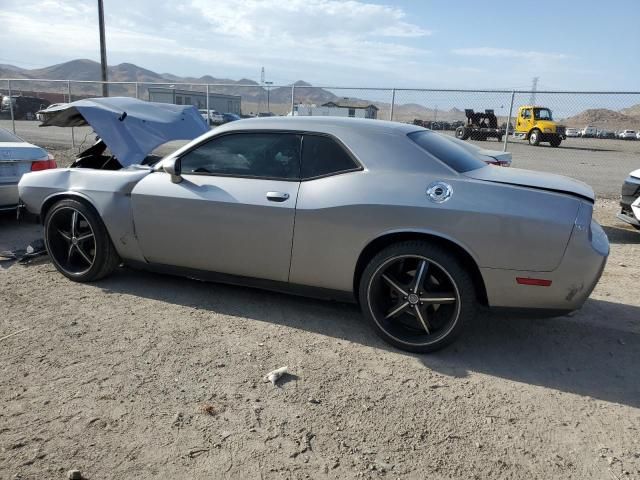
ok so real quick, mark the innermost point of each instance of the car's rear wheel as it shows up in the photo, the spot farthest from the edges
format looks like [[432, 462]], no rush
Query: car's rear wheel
[[78, 242], [534, 138], [417, 296]]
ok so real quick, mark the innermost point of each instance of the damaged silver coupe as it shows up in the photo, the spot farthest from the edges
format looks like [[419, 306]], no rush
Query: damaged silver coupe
[[416, 229]]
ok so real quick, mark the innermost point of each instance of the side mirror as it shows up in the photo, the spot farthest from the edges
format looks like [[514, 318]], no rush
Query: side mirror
[[172, 167]]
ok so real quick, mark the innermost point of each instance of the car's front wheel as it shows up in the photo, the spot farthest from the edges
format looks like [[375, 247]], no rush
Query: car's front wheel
[[417, 296], [77, 242]]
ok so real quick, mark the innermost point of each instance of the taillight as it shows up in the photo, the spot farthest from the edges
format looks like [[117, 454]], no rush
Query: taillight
[[38, 165]]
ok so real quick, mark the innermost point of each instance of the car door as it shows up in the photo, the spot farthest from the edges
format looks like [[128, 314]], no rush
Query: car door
[[525, 120], [321, 254], [233, 211]]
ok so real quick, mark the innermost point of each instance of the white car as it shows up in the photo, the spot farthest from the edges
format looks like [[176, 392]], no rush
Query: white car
[[588, 132], [18, 157], [215, 117], [638, 136], [45, 113], [627, 135], [630, 200], [572, 132]]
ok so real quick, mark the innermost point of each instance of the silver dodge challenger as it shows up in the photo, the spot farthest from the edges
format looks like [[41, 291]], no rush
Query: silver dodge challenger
[[418, 230]]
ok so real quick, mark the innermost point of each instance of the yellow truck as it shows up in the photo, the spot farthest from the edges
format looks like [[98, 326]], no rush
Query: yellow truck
[[536, 125]]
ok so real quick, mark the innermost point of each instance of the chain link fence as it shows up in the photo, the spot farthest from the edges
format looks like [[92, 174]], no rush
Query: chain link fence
[[592, 147]]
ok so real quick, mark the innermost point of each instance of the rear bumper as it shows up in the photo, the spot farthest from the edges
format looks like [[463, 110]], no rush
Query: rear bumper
[[8, 196], [571, 283]]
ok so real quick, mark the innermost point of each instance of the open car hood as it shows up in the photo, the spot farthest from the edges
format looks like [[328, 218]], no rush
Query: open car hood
[[531, 179], [131, 128]]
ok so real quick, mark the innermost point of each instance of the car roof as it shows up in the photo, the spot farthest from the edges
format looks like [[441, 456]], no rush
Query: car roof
[[331, 125]]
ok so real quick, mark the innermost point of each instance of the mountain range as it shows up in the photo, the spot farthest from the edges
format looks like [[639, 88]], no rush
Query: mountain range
[[254, 95], [89, 70]]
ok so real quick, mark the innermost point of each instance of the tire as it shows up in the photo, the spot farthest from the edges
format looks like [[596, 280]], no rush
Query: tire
[[78, 242], [534, 138], [422, 325], [462, 133], [555, 141]]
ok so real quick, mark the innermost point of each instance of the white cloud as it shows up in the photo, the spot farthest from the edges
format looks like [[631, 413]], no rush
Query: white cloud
[[508, 53], [292, 38]]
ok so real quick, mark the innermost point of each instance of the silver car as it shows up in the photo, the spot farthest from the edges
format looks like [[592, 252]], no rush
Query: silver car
[[18, 157], [416, 229]]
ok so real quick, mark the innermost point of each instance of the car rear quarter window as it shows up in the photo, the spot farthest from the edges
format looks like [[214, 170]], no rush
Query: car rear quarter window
[[455, 156], [261, 155], [322, 156]]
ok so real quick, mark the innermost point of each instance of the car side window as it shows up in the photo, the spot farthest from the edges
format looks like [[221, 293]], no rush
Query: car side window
[[322, 155], [263, 155], [526, 113]]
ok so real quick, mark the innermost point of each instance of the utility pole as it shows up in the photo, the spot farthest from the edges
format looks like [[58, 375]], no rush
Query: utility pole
[[268, 84], [534, 88], [103, 50]]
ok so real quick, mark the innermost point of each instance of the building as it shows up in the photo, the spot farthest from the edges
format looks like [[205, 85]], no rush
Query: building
[[217, 101], [339, 108]]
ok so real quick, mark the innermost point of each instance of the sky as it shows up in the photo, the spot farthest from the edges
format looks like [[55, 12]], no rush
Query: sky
[[575, 45]]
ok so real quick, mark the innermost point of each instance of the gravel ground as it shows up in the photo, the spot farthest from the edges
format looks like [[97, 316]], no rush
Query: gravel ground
[[148, 376]]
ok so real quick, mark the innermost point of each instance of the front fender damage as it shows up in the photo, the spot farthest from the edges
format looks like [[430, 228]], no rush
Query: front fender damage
[[108, 192]]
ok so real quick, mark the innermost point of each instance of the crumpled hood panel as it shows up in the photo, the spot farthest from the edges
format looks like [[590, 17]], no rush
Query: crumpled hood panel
[[131, 128]]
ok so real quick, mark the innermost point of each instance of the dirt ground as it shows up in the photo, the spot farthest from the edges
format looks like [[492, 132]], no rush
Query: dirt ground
[[148, 376]]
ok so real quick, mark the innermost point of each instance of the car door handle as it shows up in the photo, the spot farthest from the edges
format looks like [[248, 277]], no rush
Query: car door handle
[[277, 196]]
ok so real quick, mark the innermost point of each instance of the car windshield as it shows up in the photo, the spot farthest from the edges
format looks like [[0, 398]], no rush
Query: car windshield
[[459, 157], [6, 136], [542, 114]]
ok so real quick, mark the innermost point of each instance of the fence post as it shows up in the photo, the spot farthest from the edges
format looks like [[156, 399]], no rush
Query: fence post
[[506, 132], [13, 120], [73, 133], [207, 103], [393, 102], [137, 97], [293, 98]]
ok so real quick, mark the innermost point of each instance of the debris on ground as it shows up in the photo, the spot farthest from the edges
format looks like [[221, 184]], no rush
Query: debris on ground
[[210, 409], [74, 475], [14, 333], [35, 249], [274, 375]]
